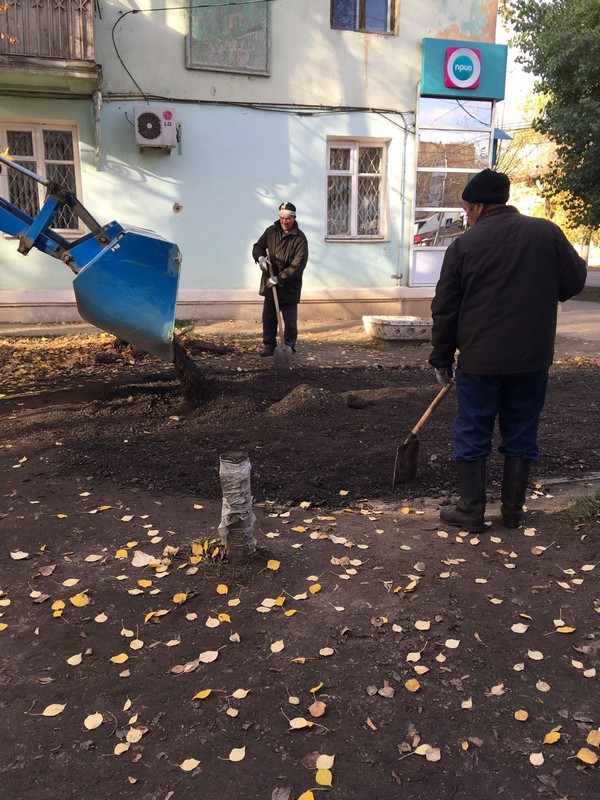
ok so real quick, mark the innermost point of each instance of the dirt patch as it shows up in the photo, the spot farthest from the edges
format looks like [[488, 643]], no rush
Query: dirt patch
[[103, 457]]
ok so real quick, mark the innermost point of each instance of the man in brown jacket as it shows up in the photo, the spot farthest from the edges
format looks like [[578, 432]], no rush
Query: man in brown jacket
[[495, 303], [287, 248]]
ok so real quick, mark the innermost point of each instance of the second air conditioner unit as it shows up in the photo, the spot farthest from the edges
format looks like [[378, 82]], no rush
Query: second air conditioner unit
[[155, 126]]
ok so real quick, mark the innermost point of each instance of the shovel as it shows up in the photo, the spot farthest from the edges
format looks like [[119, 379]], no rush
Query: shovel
[[407, 454], [282, 355]]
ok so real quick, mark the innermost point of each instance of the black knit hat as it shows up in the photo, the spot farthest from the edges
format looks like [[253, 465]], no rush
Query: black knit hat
[[487, 187]]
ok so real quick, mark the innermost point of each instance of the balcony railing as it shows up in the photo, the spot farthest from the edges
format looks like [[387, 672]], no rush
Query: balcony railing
[[47, 29]]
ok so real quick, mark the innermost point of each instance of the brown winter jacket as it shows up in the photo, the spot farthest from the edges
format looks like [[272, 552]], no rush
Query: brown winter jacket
[[288, 254], [497, 296]]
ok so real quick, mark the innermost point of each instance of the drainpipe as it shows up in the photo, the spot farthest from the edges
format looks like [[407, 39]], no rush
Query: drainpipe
[[401, 245], [97, 105]]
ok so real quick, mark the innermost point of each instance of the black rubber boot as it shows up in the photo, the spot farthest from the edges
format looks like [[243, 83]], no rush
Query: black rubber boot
[[514, 487], [468, 513]]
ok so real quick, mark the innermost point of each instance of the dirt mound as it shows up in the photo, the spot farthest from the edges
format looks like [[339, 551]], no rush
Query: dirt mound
[[304, 398]]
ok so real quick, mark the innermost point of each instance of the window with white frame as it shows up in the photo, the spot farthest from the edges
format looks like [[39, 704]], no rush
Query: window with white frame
[[356, 189], [368, 16], [50, 150]]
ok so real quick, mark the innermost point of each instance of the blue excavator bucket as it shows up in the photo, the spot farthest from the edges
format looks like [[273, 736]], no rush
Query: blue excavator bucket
[[129, 288], [126, 278]]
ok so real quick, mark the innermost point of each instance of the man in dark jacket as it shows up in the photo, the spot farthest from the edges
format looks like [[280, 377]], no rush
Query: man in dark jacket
[[287, 250], [496, 303]]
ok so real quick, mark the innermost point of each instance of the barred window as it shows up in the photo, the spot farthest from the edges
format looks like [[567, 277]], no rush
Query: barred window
[[356, 181], [50, 151], [368, 16]]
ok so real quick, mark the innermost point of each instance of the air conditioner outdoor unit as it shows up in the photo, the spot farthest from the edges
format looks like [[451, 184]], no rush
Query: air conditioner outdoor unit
[[155, 126]]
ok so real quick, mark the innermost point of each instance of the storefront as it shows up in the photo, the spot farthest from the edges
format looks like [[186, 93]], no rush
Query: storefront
[[461, 82]]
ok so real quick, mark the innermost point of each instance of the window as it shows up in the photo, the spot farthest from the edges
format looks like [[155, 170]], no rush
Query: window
[[454, 139], [370, 16], [48, 150], [356, 189]]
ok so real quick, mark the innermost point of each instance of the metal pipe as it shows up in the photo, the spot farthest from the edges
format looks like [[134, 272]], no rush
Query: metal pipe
[[97, 104]]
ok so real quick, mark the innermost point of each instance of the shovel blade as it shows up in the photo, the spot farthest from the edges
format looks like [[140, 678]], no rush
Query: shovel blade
[[282, 357], [407, 457]]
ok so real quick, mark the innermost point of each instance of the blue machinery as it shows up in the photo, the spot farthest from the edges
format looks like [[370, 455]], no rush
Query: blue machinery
[[126, 278]]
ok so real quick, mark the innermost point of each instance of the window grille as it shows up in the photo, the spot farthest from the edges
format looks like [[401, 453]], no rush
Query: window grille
[[50, 151], [355, 190]]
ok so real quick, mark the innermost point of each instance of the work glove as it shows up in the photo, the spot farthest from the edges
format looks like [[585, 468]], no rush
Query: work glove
[[263, 264], [273, 282], [444, 376]]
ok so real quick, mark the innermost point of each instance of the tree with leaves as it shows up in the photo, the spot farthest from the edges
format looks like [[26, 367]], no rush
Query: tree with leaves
[[560, 44]]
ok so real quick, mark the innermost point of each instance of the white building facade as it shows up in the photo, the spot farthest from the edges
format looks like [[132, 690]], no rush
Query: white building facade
[[241, 106]]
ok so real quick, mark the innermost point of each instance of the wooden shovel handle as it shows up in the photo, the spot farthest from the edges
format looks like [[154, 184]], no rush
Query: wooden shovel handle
[[436, 401], [276, 301]]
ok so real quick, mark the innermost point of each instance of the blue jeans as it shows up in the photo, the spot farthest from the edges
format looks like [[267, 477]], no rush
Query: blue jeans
[[269, 322], [516, 399]]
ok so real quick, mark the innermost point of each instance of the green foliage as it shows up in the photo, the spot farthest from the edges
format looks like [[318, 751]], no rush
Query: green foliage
[[584, 509], [560, 42]]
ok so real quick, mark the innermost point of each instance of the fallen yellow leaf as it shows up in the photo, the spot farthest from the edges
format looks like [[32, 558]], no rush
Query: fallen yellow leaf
[[323, 777], [587, 756]]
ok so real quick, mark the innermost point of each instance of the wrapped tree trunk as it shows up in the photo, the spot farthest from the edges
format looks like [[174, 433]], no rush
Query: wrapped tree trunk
[[237, 518]]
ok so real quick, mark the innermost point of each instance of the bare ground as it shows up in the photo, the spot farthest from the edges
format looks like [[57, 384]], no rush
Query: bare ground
[[102, 456]]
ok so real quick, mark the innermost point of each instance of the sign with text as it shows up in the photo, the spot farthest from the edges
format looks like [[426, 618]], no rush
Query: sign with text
[[453, 68]]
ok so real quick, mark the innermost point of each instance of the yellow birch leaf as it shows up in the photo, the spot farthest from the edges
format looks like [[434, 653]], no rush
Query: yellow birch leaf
[[80, 600], [422, 624], [222, 589], [202, 695], [521, 715], [452, 644], [224, 618], [316, 587], [120, 554], [136, 644], [144, 583], [593, 738], [93, 721], [552, 737], [277, 646], [307, 796], [53, 710], [535, 655], [465, 745], [122, 747], [316, 688], [280, 600], [3, 626], [101, 618], [467, 703], [189, 764], [179, 598], [294, 701], [587, 756], [290, 612], [537, 759], [405, 510], [239, 694], [412, 684], [232, 712], [542, 686], [300, 722], [324, 761], [326, 651], [299, 660], [121, 658], [273, 564], [208, 656], [75, 660], [565, 629], [237, 754], [323, 777]]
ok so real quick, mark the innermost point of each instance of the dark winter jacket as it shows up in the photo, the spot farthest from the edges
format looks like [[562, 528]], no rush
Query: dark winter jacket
[[497, 296], [288, 254]]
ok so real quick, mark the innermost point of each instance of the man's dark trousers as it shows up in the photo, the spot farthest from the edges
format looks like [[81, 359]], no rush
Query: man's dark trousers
[[269, 322], [516, 399]]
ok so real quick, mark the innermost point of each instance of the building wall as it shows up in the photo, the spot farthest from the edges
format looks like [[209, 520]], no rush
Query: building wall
[[221, 186]]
